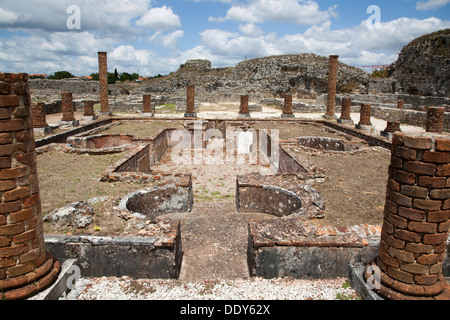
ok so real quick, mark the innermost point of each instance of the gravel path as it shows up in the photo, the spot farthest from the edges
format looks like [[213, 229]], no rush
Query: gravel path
[[126, 288]]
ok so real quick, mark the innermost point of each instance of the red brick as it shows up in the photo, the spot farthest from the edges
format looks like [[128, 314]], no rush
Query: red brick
[[16, 194], [415, 191], [2, 220], [26, 159], [440, 194], [404, 177], [30, 201], [418, 142], [5, 88], [411, 214], [21, 215], [19, 270], [407, 235], [436, 238], [5, 138], [396, 163], [9, 207], [394, 185], [13, 173], [420, 167], [442, 144], [436, 157], [431, 182], [405, 153], [391, 206], [396, 220], [444, 226], [429, 259], [29, 256], [446, 204], [8, 252], [388, 260], [424, 279], [6, 185], [12, 229], [402, 255], [398, 138], [418, 248], [438, 216], [434, 205], [443, 170], [423, 227], [400, 199], [25, 236], [5, 162], [400, 275], [392, 241], [9, 101], [8, 149], [11, 125], [415, 268], [4, 241]]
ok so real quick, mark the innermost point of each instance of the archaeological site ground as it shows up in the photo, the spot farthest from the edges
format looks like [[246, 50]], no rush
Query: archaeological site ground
[[286, 168]]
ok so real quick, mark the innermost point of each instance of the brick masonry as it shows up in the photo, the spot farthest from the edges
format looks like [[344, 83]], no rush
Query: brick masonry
[[190, 104], [25, 266], [287, 108], [435, 119], [243, 108], [67, 106], [103, 77], [89, 108], [332, 83], [346, 109], [38, 111], [147, 103], [416, 220], [366, 113]]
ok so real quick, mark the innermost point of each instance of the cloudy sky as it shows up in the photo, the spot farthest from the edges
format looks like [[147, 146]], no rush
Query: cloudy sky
[[154, 37]]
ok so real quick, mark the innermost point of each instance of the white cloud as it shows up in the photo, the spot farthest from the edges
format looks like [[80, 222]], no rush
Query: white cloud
[[431, 4], [7, 17], [169, 40], [160, 19], [251, 29], [303, 12]]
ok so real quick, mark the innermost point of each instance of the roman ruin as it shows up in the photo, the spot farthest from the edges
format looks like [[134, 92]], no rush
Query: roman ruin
[[181, 178]]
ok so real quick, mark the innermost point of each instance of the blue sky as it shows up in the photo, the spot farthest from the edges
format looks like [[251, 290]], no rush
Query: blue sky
[[154, 37]]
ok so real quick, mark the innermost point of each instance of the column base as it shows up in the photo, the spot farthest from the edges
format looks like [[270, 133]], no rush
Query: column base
[[190, 115], [74, 123], [244, 115], [386, 134], [29, 284], [329, 117], [108, 114], [367, 128], [44, 130], [437, 291], [287, 115], [345, 121], [89, 118], [147, 114]]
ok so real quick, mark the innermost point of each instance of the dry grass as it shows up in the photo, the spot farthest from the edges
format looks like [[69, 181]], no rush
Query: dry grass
[[145, 129]]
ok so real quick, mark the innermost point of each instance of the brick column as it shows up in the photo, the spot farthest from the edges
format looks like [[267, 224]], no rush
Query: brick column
[[103, 77], [147, 105], [25, 266], [243, 108], [89, 109], [391, 127], [67, 107], [435, 119], [38, 111], [345, 111], [287, 109], [400, 104], [332, 83], [416, 219], [366, 114], [190, 103]]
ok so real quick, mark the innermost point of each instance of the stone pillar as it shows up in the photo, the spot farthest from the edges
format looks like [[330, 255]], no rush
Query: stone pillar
[[345, 111], [400, 104], [366, 114], [103, 77], [38, 111], [435, 119], [391, 127], [243, 108], [416, 220], [147, 105], [332, 84], [190, 103], [67, 109], [287, 109], [25, 266]]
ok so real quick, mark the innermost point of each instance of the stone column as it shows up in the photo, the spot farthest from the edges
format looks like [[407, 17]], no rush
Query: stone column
[[190, 103], [345, 111], [366, 113], [103, 78], [416, 220], [243, 108], [25, 266], [332, 84], [38, 111], [67, 109], [147, 105], [400, 104], [435, 119], [287, 109]]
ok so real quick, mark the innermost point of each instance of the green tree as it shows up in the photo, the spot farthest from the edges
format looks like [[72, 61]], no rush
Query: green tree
[[61, 75], [135, 76], [95, 76]]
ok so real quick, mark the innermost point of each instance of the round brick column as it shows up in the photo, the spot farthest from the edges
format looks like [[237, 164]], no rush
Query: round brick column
[[147, 107], [346, 111], [38, 111], [416, 219], [332, 84], [435, 119], [25, 266], [67, 107], [243, 108], [400, 104], [366, 114], [89, 109], [190, 103], [287, 108], [103, 79]]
